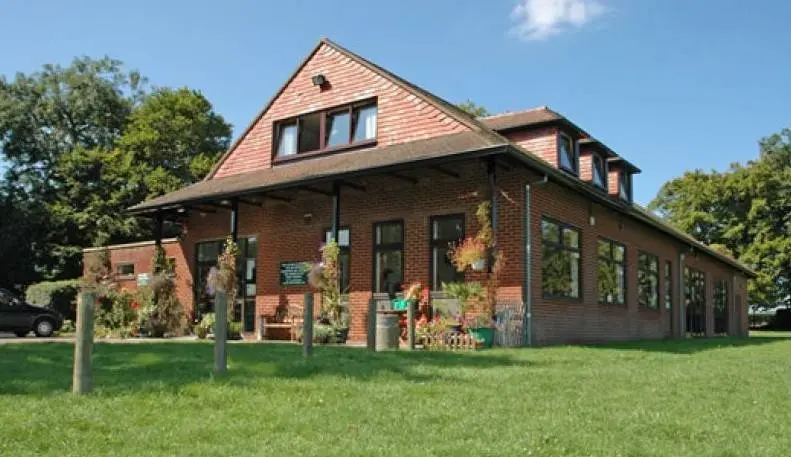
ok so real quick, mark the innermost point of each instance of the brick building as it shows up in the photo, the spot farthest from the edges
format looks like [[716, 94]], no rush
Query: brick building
[[346, 149]]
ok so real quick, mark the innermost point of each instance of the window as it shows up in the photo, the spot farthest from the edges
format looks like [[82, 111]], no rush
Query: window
[[599, 172], [648, 280], [668, 284], [695, 293], [333, 128], [560, 266], [445, 230], [7, 299], [344, 256], [611, 272], [389, 256], [567, 153], [720, 307], [125, 269], [625, 186], [171, 264]]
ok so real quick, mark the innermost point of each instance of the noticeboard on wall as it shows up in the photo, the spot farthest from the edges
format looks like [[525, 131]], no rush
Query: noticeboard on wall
[[293, 273]]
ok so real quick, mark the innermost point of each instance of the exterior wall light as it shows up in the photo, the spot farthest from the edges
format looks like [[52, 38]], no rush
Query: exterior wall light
[[319, 80]]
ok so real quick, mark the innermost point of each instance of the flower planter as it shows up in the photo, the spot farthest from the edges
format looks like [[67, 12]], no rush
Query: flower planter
[[485, 334], [479, 264]]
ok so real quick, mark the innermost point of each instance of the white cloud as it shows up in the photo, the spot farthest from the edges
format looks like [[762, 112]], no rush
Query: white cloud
[[541, 19]]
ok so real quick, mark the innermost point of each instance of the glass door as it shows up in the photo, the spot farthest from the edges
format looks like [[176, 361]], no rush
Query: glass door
[[206, 259]]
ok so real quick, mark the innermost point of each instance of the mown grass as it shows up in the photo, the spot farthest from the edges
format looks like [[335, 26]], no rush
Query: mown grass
[[672, 398]]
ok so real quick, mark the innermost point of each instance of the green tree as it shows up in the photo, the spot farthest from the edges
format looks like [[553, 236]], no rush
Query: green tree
[[473, 108], [83, 142], [745, 211]]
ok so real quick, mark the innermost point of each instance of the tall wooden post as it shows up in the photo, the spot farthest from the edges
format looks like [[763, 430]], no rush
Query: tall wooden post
[[410, 326], [370, 340], [220, 333], [307, 326], [82, 380]]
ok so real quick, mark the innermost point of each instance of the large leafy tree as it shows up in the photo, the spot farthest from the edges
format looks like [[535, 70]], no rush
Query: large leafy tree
[[473, 108], [745, 212], [83, 142]]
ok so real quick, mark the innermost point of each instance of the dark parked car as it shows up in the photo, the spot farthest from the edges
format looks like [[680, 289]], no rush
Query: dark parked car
[[21, 318]]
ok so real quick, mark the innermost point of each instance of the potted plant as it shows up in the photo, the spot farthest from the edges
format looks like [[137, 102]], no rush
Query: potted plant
[[470, 253]]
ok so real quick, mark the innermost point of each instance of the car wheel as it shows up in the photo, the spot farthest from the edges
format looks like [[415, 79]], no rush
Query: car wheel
[[44, 328], [21, 334]]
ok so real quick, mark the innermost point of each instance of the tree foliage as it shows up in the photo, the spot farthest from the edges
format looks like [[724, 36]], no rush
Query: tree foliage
[[473, 108], [82, 143], [744, 212]]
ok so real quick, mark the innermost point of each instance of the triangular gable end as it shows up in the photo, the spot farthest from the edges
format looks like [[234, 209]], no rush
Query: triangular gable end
[[405, 112]]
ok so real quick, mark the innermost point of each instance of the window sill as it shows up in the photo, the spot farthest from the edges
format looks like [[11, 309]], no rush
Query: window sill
[[570, 171], [562, 300], [327, 151], [125, 277]]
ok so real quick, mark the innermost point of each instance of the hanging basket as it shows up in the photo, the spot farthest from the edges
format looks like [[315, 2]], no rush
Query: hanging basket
[[478, 264]]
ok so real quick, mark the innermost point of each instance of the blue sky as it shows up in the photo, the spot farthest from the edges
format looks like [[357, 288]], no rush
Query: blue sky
[[669, 84]]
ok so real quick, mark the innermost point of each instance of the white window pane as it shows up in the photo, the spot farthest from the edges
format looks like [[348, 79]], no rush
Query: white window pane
[[365, 125], [343, 237], [287, 145]]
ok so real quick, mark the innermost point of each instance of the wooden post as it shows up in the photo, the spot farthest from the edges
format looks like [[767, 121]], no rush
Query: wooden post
[[410, 326], [82, 381], [371, 338], [307, 326], [220, 333]]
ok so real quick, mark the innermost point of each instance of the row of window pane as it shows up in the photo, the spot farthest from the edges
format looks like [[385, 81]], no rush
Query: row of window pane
[[567, 153], [611, 272], [561, 260], [599, 171], [648, 280], [345, 126]]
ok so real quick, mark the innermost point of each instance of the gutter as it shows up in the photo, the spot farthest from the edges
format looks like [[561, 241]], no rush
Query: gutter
[[527, 286]]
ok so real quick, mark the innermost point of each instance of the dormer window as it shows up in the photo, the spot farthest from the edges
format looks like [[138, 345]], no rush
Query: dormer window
[[599, 172], [568, 157], [328, 130], [625, 186]]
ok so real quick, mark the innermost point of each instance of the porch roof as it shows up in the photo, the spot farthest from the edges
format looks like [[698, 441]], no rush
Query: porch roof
[[447, 148]]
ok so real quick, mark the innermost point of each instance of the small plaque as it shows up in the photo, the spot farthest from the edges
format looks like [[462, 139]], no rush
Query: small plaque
[[294, 273]]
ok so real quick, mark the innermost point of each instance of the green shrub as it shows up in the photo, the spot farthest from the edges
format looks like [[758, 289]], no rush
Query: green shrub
[[68, 326], [116, 314], [60, 295], [205, 326]]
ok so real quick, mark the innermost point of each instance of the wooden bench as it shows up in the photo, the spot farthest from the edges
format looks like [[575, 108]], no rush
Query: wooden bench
[[292, 321]]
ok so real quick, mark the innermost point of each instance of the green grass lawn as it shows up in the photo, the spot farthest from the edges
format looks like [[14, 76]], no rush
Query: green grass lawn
[[673, 398]]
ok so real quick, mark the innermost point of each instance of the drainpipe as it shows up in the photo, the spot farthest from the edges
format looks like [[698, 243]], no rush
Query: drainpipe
[[527, 287]]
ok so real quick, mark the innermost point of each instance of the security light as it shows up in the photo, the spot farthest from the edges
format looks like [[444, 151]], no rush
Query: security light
[[319, 80]]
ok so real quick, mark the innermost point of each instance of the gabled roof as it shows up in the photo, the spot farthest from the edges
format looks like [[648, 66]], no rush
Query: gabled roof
[[448, 108], [482, 139]]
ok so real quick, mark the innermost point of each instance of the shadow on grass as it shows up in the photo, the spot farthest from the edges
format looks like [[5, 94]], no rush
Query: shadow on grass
[[690, 346], [43, 369]]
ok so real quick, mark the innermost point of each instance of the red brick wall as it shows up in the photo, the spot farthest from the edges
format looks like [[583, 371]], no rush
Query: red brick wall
[[586, 165], [402, 117], [285, 236], [542, 142], [141, 256]]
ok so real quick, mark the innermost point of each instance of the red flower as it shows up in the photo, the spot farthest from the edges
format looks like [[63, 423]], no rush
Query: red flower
[[135, 304]]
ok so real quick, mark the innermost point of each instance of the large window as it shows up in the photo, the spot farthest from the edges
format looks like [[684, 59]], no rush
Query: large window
[[445, 230], [344, 256], [389, 256], [324, 130], [720, 307], [668, 284], [648, 280], [567, 153], [560, 266], [611, 272], [695, 293], [599, 172]]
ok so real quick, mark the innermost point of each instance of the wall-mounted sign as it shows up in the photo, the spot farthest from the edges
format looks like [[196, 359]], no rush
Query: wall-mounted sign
[[293, 273], [142, 279]]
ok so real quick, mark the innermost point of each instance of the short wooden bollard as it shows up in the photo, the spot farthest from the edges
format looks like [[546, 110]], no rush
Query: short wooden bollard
[[410, 326], [307, 326], [220, 333], [82, 380], [370, 340]]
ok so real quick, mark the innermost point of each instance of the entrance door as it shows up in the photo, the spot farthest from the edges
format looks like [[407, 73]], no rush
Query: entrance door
[[206, 259], [695, 290]]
